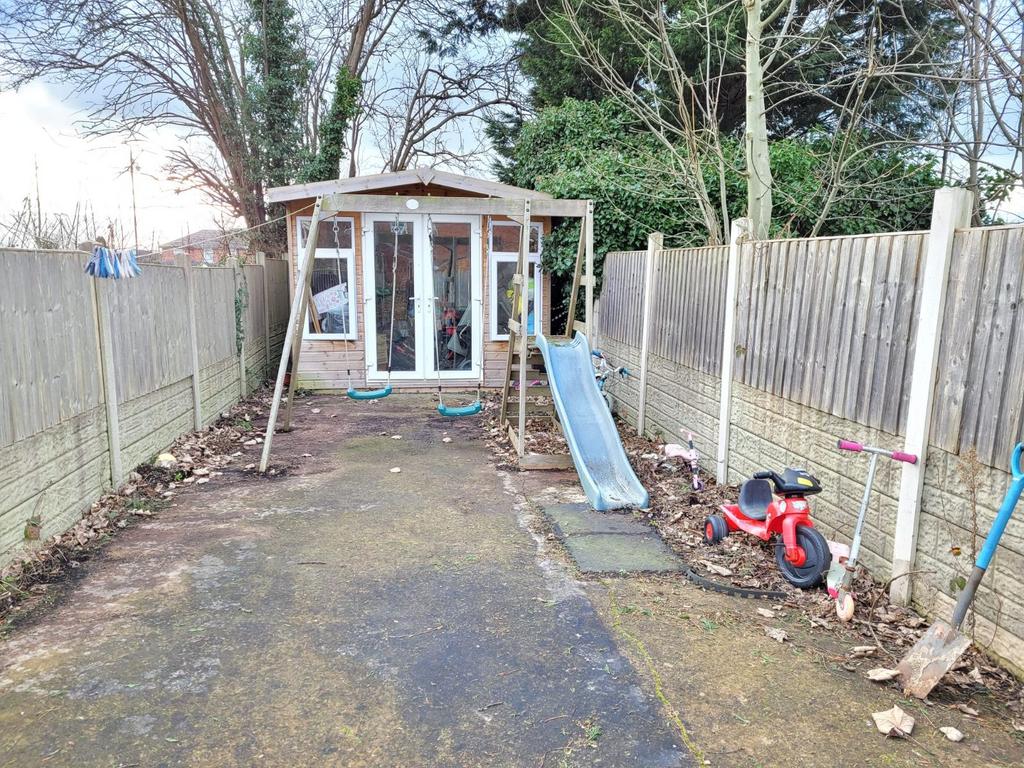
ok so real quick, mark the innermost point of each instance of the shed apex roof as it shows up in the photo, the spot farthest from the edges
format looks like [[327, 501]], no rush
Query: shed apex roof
[[357, 184]]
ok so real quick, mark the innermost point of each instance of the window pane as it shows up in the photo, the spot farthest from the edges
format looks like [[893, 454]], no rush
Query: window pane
[[325, 234], [505, 238], [506, 270], [453, 294], [330, 289], [395, 281]]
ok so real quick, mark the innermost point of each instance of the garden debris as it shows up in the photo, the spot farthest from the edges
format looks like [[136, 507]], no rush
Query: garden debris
[[951, 733], [881, 674], [165, 461], [768, 614], [779, 635], [894, 722], [396, 470]]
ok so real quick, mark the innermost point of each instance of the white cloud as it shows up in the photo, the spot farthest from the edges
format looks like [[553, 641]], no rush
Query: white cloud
[[38, 127]]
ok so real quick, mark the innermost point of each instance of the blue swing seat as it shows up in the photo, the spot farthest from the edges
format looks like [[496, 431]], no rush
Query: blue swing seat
[[460, 410], [370, 394]]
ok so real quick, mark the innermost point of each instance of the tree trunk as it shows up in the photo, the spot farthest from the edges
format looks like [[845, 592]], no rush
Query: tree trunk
[[759, 171]]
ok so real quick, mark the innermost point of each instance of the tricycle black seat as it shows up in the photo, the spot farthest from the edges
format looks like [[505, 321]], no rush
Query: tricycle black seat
[[755, 496]]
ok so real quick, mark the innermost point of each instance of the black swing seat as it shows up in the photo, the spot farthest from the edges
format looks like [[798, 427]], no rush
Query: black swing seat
[[755, 496]]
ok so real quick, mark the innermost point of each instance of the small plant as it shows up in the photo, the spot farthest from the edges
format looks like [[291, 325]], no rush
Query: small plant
[[708, 625], [593, 731], [243, 423], [137, 503], [33, 528]]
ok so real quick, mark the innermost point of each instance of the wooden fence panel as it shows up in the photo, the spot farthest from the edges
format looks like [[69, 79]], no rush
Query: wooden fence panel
[[277, 281], [51, 366], [980, 383], [215, 314], [255, 311], [828, 322], [622, 296], [688, 306], [150, 335]]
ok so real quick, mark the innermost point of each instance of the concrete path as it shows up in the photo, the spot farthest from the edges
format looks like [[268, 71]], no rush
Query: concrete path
[[342, 615]]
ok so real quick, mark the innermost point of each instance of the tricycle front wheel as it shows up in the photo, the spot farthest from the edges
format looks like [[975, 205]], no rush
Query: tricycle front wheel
[[817, 558]]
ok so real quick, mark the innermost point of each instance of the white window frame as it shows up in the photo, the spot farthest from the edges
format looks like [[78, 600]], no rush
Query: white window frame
[[349, 254], [496, 257]]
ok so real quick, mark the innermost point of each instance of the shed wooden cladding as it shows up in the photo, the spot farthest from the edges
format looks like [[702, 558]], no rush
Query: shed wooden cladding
[[979, 396], [829, 323]]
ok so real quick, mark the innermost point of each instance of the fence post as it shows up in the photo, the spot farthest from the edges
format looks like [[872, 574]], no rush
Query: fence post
[[738, 235], [655, 242], [109, 380], [239, 280], [185, 262], [950, 211], [261, 262]]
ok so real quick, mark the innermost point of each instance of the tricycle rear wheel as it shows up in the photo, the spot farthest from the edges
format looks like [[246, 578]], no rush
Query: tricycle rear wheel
[[817, 562], [715, 529]]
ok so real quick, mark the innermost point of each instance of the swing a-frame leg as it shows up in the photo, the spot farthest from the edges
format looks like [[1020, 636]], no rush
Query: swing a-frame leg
[[293, 338]]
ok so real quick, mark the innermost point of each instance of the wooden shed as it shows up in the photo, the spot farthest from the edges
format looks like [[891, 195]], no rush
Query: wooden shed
[[429, 293]]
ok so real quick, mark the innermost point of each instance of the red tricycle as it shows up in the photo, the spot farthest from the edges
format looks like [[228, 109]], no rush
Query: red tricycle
[[801, 551]]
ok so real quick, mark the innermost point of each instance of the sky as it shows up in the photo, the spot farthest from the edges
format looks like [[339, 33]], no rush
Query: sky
[[37, 126], [38, 129]]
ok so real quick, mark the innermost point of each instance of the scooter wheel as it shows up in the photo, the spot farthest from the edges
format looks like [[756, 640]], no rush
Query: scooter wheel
[[817, 562], [715, 529]]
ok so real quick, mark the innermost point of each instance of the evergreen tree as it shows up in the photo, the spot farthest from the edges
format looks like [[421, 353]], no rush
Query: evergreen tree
[[276, 76], [334, 127]]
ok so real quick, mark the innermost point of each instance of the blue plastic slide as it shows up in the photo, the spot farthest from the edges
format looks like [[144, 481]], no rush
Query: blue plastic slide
[[600, 459]]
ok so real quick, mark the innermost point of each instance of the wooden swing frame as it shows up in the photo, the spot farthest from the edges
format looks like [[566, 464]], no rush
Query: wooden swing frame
[[519, 211]]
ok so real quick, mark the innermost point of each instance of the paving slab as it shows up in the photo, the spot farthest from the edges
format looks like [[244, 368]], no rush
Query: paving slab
[[571, 519], [342, 615], [622, 553]]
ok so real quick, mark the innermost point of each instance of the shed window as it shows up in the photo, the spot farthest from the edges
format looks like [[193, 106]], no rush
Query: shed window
[[504, 250], [333, 280]]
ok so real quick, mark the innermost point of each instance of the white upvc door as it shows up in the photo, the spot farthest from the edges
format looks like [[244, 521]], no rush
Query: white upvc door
[[433, 288], [453, 274]]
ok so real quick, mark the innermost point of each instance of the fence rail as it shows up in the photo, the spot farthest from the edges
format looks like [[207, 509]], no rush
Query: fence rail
[[57, 426]]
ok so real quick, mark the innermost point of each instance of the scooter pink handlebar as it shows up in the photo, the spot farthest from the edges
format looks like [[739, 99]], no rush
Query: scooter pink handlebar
[[849, 445]]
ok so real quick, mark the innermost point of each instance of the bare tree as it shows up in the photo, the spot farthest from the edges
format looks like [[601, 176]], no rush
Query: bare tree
[[432, 106], [162, 63]]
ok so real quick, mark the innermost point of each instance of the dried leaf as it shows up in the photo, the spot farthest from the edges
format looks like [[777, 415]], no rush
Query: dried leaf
[[881, 674], [776, 634], [969, 711], [766, 613], [862, 650], [721, 570], [952, 733], [894, 722]]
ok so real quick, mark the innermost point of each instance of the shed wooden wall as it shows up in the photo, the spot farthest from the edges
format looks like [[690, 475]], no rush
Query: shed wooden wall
[[325, 363]]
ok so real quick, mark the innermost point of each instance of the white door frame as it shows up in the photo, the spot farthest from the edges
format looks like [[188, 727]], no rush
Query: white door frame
[[423, 300]]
